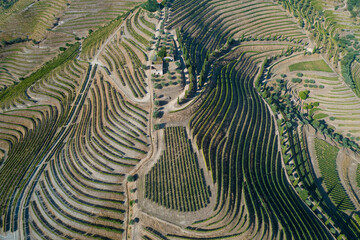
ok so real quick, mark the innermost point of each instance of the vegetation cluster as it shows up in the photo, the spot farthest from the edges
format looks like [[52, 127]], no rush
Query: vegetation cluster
[[7, 3], [5, 43], [354, 7], [153, 5]]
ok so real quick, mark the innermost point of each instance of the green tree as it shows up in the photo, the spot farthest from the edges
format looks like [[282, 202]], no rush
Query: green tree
[[302, 24], [156, 114], [303, 194], [304, 94], [131, 178], [162, 52], [151, 5]]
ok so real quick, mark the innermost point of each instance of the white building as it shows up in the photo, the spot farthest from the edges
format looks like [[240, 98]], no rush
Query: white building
[[157, 66]]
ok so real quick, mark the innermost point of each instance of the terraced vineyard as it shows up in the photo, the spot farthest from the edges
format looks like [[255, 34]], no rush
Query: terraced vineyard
[[74, 132], [19, 62], [326, 155], [127, 53], [83, 15], [247, 120], [179, 119], [80, 191], [337, 102], [182, 187]]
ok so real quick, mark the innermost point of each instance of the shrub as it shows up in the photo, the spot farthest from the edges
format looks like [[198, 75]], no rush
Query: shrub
[[158, 86], [299, 74], [296, 80], [131, 178], [303, 194], [156, 114], [304, 94]]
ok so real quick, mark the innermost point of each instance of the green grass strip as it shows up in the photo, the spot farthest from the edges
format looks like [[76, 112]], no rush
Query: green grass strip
[[319, 65], [320, 116]]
